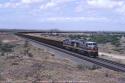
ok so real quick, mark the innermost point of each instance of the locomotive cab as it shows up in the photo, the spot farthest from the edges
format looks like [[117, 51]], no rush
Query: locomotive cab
[[92, 48]]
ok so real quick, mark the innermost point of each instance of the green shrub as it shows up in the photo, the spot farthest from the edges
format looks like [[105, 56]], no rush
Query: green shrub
[[6, 48]]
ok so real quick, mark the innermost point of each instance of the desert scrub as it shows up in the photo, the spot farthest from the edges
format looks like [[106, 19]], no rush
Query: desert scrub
[[86, 67], [118, 49], [26, 48], [30, 54], [5, 48]]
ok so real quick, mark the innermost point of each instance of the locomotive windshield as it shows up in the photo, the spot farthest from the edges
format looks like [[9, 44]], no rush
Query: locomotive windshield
[[89, 44]]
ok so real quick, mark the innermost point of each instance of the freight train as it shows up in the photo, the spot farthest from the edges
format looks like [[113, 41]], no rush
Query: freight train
[[80, 46], [85, 47]]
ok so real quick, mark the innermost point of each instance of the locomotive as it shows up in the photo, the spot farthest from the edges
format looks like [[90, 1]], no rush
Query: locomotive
[[88, 48]]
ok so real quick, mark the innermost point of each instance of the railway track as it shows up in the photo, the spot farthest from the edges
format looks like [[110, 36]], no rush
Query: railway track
[[99, 61]]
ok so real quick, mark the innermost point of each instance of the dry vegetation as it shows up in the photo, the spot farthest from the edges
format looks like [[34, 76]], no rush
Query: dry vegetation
[[29, 64]]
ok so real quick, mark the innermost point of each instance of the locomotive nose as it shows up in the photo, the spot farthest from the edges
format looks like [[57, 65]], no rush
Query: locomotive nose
[[93, 48]]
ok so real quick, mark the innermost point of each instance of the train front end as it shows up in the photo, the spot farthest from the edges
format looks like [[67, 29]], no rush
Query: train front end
[[92, 49]]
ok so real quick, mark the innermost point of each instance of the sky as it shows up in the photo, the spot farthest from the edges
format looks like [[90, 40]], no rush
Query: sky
[[80, 15]]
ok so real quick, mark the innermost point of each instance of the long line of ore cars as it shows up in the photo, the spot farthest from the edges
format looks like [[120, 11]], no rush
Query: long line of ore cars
[[85, 47]]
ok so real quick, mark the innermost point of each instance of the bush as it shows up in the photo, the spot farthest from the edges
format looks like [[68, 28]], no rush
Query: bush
[[81, 67], [26, 44], [85, 67], [118, 49], [6, 48], [30, 54]]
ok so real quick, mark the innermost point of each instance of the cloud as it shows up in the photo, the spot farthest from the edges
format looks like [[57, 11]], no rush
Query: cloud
[[20, 3], [121, 9], [48, 5], [8, 5], [43, 4], [117, 6], [30, 1], [54, 3], [105, 3], [0, 5], [81, 5], [73, 19]]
